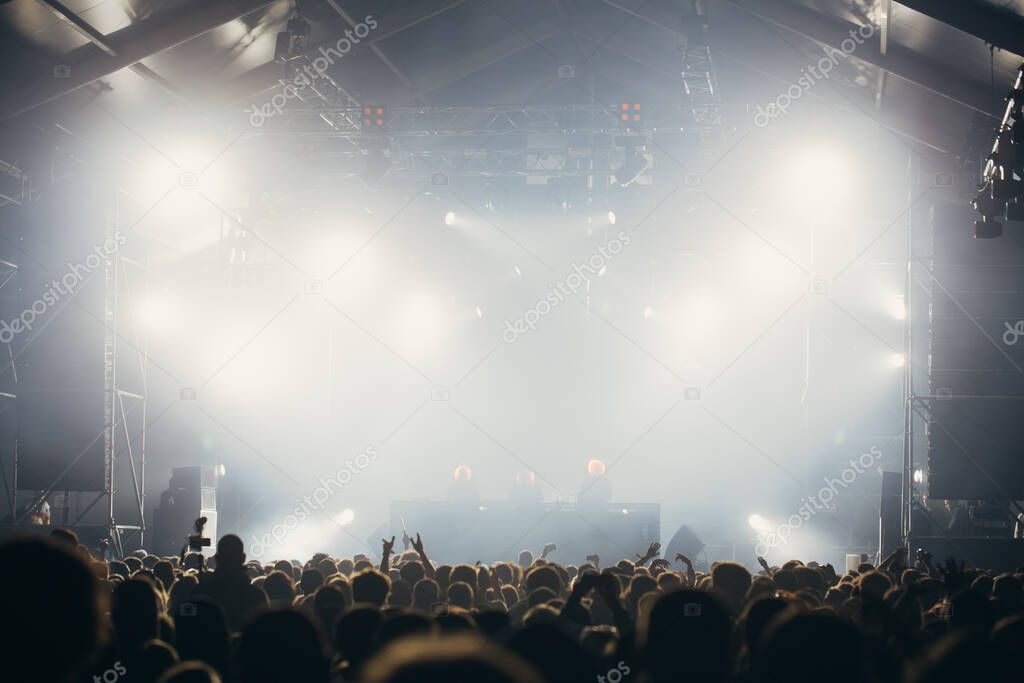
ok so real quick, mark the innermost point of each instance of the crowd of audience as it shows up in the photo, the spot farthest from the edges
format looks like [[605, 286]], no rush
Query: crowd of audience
[[71, 617]]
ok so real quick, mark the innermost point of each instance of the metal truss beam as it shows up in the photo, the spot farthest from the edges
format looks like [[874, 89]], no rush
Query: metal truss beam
[[998, 26], [489, 121], [899, 61], [405, 17], [132, 44]]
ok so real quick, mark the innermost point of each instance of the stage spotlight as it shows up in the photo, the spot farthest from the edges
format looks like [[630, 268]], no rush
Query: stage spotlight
[[221, 470], [918, 476], [449, 218], [344, 518], [611, 218], [758, 523], [897, 360]]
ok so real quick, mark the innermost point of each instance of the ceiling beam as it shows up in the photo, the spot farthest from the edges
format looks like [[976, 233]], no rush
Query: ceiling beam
[[899, 61], [410, 15], [512, 43], [131, 45], [91, 34], [269, 75], [998, 26], [373, 46]]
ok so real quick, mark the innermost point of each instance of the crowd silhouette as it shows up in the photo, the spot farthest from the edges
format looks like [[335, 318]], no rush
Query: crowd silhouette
[[71, 616]]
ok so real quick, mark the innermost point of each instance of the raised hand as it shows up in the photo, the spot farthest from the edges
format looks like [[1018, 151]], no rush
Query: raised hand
[[548, 548], [428, 567], [660, 563], [385, 556], [691, 576], [595, 560], [406, 541], [653, 550]]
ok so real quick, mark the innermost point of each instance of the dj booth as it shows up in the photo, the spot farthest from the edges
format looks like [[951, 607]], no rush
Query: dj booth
[[497, 531]]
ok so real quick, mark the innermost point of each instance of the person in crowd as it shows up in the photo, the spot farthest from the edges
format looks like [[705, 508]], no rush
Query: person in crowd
[[74, 617], [463, 489]]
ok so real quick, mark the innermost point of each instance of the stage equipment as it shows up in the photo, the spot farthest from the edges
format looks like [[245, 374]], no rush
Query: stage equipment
[[191, 494], [81, 364], [976, 364], [889, 536], [495, 531], [1002, 185], [684, 541]]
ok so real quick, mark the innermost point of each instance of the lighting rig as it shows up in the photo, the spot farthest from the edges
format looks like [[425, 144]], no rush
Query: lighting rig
[[1001, 195]]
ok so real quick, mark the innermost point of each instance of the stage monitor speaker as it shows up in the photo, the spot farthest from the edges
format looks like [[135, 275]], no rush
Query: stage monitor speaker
[[686, 542], [889, 526], [976, 355]]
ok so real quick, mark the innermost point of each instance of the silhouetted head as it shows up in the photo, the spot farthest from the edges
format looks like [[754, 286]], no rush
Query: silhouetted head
[[355, 635], [455, 659], [370, 586], [282, 645], [52, 606], [230, 553], [190, 672], [801, 646], [687, 634]]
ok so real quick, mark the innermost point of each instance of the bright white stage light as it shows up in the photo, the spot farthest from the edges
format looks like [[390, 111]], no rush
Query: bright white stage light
[[157, 310], [918, 476], [611, 218], [344, 518], [648, 312], [700, 315], [449, 218], [898, 308], [819, 179], [221, 470], [423, 321], [758, 523], [897, 360]]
